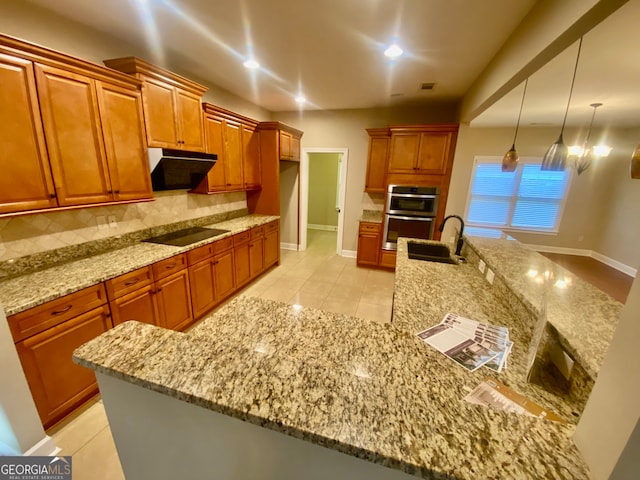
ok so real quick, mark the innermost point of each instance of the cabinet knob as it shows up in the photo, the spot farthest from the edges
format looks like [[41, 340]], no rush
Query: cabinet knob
[[109, 191], [117, 191], [52, 195]]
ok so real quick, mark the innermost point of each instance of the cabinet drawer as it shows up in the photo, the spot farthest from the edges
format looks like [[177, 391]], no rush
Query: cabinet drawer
[[171, 265], [222, 245], [37, 319], [240, 238], [257, 232], [116, 287], [370, 227], [198, 254], [270, 227]]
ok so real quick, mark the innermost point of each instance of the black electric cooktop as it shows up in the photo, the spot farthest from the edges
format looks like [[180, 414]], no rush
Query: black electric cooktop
[[182, 238]]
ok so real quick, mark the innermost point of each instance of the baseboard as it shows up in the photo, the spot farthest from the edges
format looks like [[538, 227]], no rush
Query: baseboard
[[349, 253], [45, 447], [288, 246], [621, 267], [563, 250], [632, 272], [326, 228]]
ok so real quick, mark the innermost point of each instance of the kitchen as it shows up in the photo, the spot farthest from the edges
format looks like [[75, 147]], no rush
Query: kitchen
[[341, 130]]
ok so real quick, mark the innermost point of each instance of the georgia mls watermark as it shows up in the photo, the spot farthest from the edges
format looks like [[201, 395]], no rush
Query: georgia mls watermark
[[35, 468]]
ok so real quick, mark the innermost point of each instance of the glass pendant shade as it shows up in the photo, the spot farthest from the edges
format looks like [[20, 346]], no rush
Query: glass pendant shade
[[556, 156], [584, 161], [635, 163], [510, 160]]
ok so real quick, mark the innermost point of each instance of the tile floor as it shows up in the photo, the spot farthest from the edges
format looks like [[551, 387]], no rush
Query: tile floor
[[316, 278]]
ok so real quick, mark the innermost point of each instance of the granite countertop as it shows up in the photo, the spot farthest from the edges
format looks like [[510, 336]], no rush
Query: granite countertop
[[371, 216], [27, 291], [369, 390], [584, 316]]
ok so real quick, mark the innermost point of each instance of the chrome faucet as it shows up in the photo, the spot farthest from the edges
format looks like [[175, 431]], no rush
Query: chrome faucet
[[460, 241]]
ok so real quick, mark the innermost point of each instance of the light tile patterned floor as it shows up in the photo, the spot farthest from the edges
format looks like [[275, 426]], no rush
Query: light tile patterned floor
[[315, 278]]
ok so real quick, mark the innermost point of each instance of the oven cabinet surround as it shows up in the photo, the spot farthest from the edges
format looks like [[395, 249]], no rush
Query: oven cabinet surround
[[384, 404], [278, 142], [76, 127], [236, 142], [171, 291], [377, 160], [172, 105]]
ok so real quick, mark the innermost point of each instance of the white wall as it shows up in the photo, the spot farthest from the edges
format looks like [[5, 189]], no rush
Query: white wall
[[289, 202], [346, 129]]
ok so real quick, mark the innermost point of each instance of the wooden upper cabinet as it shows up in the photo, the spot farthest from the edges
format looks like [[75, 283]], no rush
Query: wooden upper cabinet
[[422, 149], [214, 135], [295, 148], [74, 138], [289, 146], [377, 160], [160, 114], [233, 155], [123, 130], [25, 183], [172, 105], [189, 114], [251, 157]]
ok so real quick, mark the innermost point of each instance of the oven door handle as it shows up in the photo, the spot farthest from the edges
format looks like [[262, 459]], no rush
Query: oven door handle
[[418, 219], [414, 195]]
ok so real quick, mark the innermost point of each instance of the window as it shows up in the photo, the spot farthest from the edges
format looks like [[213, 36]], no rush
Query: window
[[527, 199]]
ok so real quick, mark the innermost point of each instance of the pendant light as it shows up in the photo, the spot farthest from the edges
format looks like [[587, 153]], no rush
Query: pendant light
[[586, 156], [556, 156], [510, 159], [635, 163]]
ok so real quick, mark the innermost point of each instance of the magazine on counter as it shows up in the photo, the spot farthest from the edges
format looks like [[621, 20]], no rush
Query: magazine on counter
[[470, 343], [494, 394]]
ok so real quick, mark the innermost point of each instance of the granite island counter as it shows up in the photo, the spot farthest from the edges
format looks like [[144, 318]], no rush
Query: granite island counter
[[373, 392]]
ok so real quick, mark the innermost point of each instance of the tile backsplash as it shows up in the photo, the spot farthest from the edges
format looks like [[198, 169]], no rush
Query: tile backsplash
[[31, 234]]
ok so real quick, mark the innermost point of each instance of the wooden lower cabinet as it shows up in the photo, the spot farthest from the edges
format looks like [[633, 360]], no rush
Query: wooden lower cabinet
[[201, 279], [271, 245], [242, 258], [368, 243], [256, 256], [224, 274], [57, 384], [174, 301], [388, 258], [139, 305]]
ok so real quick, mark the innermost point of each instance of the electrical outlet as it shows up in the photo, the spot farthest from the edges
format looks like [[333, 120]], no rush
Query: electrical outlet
[[482, 266], [490, 276], [101, 222], [112, 221]]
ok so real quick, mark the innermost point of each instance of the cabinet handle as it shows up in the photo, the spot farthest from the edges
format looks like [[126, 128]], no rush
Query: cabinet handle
[[60, 312], [251, 244], [109, 191], [169, 267], [117, 191], [132, 282], [52, 195], [216, 262], [158, 290]]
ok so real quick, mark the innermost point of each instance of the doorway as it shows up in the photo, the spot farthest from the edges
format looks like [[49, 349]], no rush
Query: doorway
[[323, 173]]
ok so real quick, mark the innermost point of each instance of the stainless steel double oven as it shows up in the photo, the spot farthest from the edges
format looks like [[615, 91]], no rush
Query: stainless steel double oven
[[410, 212]]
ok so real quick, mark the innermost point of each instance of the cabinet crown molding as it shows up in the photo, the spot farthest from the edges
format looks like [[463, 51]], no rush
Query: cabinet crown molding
[[137, 66], [443, 127], [280, 126], [46, 56], [217, 111]]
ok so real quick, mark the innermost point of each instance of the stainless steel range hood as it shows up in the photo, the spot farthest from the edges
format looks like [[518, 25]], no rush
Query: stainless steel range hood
[[178, 169]]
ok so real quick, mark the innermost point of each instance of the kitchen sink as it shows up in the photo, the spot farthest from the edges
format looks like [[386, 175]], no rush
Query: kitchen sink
[[182, 238], [430, 252]]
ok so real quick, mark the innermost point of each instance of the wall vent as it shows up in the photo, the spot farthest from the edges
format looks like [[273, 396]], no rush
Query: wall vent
[[427, 86]]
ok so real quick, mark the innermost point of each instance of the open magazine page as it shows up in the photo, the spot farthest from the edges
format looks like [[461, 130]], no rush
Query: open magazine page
[[494, 394]]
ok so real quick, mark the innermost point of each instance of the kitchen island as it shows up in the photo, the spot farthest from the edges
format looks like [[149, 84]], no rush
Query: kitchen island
[[357, 399]]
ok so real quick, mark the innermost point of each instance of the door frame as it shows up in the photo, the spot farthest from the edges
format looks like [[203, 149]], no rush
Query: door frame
[[304, 193]]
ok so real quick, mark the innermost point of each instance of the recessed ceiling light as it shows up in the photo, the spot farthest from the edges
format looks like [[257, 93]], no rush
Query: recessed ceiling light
[[251, 64], [393, 51], [300, 99]]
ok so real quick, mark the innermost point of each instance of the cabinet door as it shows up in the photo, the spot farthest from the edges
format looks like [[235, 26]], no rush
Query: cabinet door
[[57, 384], [216, 178], [225, 278], [123, 131], [189, 110], [160, 114], [233, 154], [174, 301], [242, 264], [271, 248], [285, 145], [25, 183], [368, 248], [138, 305], [295, 148], [251, 157], [201, 281], [256, 256], [74, 136], [388, 258], [377, 165], [404, 152], [434, 152]]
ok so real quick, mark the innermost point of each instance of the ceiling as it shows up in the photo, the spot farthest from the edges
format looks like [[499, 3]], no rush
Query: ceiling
[[331, 51]]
